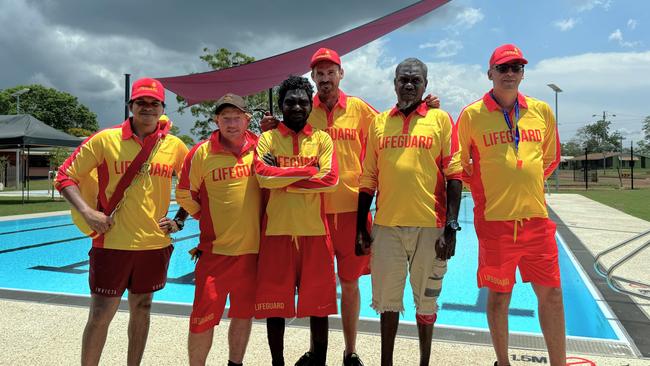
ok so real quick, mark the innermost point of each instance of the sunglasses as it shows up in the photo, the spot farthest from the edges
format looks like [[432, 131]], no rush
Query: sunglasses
[[503, 68]]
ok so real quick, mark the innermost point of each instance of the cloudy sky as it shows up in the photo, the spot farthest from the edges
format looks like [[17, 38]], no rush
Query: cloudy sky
[[597, 51]]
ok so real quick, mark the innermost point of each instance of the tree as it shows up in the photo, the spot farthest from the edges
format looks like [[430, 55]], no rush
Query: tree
[[5, 103], [189, 141], [79, 132], [596, 137], [644, 146], [55, 108], [257, 103], [57, 156], [571, 148]]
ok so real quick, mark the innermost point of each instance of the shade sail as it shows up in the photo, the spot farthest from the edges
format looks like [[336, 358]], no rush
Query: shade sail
[[266, 73]]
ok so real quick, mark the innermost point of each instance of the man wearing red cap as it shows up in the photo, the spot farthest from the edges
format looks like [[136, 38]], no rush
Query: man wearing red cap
[[346, 119], [509, 146], [132, 247]]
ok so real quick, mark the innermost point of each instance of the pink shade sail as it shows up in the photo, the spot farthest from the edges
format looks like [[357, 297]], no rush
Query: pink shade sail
[[266, 73]]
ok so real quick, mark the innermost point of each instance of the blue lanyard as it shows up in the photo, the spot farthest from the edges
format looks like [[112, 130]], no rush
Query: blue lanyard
[[506, 116]]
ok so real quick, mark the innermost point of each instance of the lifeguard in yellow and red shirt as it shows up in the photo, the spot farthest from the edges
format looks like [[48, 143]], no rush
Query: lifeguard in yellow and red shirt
[[412, 163], [218, 187], [509, 146], [298, 165], [133, 247]]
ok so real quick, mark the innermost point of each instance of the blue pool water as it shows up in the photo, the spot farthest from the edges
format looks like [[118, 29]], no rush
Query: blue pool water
[[50, 254]]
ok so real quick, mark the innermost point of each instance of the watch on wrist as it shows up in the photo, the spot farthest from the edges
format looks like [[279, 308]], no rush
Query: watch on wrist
[[179, 223], [453, 225]]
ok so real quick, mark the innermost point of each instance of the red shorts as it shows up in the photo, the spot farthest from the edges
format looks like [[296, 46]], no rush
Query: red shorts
[[534, 251], [141, 271], [343, 230], [306, 263], [216, 278]]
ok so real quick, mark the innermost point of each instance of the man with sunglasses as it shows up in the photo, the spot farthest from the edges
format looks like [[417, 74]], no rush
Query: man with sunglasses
[[133, 247], [509, 146]]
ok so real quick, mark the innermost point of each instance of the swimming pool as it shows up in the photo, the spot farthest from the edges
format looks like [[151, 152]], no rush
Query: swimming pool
[[50, 255]]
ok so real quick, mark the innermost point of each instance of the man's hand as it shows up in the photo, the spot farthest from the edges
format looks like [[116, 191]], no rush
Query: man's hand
[[269, 159], [446, 245], [432, 101], [97, 221], [168, 225], [268, 122], [363, 243]]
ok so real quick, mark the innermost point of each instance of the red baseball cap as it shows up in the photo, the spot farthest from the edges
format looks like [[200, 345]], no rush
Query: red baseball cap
[[148, 87], [325, 54], [507, 53]]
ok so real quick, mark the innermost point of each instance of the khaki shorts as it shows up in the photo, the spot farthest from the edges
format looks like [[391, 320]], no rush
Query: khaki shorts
[[397, 249]]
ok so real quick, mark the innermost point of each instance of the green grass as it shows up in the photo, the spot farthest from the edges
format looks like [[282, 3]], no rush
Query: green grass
[[34, 185], [635, 203], [13, 205]]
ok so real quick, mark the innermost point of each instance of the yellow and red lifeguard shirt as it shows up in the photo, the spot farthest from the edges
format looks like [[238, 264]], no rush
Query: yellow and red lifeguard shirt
[[508, 183], [408, 160], [110, 152], [219, 189], [307, 169], [347, 124]]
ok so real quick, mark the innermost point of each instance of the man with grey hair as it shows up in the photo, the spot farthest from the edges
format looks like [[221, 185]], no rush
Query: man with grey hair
[[412, 158]]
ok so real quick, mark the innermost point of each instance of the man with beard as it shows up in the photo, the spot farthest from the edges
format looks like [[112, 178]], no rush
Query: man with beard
[[297, 164], [412, 159]]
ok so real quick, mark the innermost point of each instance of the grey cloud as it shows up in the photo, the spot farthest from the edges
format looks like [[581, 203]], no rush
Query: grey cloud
[[184, 27], [85, 47]]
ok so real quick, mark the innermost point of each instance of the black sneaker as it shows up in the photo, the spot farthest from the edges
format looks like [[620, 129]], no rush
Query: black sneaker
[[307, 359], [351, 360]]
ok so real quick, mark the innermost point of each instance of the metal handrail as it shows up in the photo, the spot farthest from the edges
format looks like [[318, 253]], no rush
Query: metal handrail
[[609, 272]]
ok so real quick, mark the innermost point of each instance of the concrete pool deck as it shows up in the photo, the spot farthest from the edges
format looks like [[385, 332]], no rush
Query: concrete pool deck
[[44, 334], [41, 333]]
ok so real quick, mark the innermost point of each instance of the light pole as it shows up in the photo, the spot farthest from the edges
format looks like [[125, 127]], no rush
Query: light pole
[[556, 89], [17, 95]]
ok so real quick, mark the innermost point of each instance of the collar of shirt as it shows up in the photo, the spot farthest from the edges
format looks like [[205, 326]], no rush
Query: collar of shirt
[[421, 110], [342, 102], [249, 142], [285, 131], [492, 104], [127, 131]]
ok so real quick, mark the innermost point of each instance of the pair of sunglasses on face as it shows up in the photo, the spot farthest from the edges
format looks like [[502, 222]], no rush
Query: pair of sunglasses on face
[[503, 68]]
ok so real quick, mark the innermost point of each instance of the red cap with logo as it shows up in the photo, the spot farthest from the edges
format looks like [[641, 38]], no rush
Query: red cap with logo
[[325, 54], [148, 87], [507, 53]]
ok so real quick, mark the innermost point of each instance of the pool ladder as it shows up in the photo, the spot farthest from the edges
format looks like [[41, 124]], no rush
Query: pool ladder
[[609, 272]]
